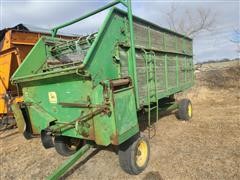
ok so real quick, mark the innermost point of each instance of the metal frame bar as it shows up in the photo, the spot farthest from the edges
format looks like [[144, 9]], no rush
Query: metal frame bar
[[133, 53], [166, 71], [55, 29], [149, 58], [132, 63], [68, 163]]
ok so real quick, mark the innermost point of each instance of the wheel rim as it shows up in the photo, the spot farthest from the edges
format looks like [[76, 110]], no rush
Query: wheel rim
[[142, 153], [189, 110], [73, 144], [71, 147]]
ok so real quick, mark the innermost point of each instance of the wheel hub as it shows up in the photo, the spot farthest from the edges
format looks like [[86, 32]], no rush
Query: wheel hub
[[142, 153], [190, 110]]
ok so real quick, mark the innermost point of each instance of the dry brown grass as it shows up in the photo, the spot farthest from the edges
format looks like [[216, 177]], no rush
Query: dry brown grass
[[207, 147]]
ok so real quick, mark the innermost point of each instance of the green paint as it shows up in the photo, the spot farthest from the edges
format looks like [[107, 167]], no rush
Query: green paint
[[108, 111], [177, 71], [169, 107], [166, 71], [47, 83], [125, 114], [133, 54], [19, 117], [55, 30], [37, 56], [68, 163]]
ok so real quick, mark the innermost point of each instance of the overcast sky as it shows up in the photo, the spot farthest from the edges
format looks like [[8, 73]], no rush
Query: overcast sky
[[207, 46]]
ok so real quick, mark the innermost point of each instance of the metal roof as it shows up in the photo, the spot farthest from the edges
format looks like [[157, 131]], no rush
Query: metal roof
[[30, 28]]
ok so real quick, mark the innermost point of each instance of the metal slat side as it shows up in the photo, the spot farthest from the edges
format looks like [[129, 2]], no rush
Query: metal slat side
[[173, 69]]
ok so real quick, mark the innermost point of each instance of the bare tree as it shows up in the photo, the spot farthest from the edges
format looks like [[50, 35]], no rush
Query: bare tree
[[191, 22]]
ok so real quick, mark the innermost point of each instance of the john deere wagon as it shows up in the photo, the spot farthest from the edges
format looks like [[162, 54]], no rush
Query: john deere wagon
[[88, 91]]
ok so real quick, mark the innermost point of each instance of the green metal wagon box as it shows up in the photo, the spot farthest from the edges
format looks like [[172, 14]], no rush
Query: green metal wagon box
[[90, 90]]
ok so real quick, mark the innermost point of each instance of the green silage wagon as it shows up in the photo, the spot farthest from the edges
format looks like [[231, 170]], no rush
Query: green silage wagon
[[90, 90]]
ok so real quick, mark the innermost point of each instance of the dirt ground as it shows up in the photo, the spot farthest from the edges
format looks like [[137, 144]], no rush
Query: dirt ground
[[207, 147]]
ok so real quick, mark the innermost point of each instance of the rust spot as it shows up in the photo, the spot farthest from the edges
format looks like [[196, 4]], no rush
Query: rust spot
[[114, 139], [120, 83], [91, 134]]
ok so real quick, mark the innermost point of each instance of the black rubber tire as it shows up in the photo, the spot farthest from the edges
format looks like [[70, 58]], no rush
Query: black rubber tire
[[46, 140], [64, 146], [127, 155], [183, 110]]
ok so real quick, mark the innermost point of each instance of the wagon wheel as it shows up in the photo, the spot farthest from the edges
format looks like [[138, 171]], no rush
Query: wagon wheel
[[67, 146], [185, 109], [134, 155]]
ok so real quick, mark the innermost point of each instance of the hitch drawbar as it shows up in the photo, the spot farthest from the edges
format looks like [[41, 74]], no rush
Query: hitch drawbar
[[61, 170]]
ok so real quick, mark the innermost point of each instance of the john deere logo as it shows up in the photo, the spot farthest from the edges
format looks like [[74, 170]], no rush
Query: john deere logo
[[52, 97]]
